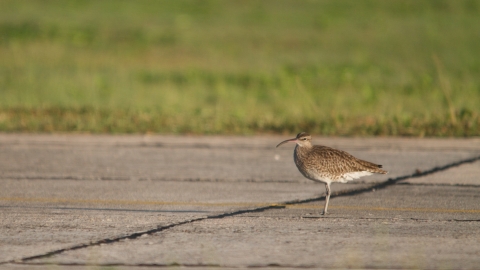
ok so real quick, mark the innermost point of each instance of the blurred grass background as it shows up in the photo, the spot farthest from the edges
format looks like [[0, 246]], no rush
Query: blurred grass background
[[344, 68]]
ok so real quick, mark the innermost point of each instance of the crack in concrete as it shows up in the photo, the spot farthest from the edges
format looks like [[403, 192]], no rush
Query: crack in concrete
[[200, 265], [440, 185], [382, 185], [138, 234]]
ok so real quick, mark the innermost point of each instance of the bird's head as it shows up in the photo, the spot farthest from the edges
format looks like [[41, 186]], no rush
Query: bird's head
[[302, 139]]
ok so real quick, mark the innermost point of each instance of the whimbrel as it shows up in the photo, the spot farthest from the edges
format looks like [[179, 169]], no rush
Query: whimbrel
[[324, 164]]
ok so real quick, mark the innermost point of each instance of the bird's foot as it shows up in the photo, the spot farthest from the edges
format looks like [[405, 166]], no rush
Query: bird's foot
[[324, 213]]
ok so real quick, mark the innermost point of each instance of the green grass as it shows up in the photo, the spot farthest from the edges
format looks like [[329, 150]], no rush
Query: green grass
[[350, 68]]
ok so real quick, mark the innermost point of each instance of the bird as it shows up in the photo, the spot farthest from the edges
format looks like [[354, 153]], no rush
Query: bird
[[328, 165]]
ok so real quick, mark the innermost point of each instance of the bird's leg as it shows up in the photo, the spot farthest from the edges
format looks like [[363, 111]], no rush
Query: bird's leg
[[327, 198]]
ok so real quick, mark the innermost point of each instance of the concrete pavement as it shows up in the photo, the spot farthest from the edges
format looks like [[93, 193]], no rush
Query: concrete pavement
[[133, 202]]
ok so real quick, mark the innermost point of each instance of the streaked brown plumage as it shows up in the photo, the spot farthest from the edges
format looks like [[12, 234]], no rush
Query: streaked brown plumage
[[324, 164]]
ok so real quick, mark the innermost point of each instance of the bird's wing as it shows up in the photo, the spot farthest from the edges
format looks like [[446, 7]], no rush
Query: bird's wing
[[338, 162]]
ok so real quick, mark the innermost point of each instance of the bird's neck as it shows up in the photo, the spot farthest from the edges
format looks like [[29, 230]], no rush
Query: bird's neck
[[301, 150]]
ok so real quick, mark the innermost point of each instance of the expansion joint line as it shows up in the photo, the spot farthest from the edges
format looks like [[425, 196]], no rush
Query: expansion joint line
[[382, 185]]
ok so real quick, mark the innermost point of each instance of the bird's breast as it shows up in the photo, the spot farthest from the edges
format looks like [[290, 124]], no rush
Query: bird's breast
[[305, 167]]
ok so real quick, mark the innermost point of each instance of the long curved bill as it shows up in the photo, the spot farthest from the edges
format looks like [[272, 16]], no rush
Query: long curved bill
[[286, 141]]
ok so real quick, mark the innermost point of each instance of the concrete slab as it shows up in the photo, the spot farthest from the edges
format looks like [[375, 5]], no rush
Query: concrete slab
[[97, 200], [205, 158]]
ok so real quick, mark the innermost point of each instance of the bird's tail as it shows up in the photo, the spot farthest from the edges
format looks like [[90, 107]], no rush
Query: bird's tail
[[372, 167]]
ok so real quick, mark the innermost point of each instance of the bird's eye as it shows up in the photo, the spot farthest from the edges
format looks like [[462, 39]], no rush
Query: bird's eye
[[304, 139]]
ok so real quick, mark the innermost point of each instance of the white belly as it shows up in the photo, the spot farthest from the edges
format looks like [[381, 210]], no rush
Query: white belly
[[326, 178]]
